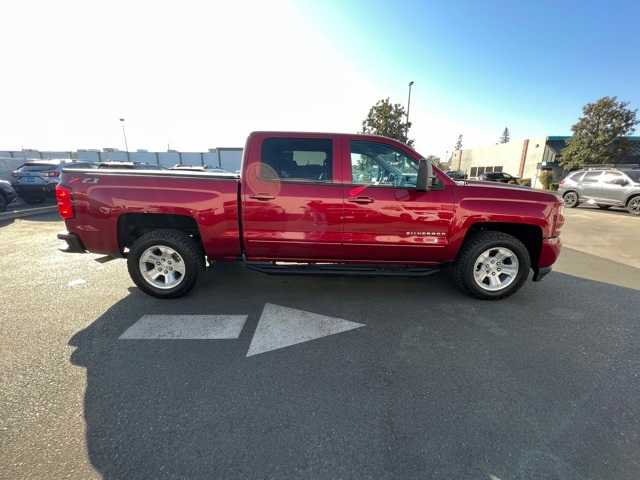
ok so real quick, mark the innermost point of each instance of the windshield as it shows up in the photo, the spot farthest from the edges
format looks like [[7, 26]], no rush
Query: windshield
[[37, 167], [633, 175]]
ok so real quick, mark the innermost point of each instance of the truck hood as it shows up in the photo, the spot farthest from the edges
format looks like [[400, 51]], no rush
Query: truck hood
[[501, 190]]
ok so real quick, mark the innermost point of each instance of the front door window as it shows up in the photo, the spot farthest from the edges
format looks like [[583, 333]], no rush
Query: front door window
[[378, 164]]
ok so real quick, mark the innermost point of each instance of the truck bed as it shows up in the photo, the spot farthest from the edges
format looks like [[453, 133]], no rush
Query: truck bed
[[107, 201]]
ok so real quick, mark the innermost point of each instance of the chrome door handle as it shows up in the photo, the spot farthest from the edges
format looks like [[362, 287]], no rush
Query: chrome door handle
[[263, 197], [361, 200]]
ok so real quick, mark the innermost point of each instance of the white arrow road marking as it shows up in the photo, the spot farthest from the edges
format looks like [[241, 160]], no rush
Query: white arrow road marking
[[186, 327], [281, 327]]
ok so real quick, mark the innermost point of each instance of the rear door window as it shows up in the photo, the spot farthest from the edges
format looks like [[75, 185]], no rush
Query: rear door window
[[591, 177], [576, 176], [296, 159]]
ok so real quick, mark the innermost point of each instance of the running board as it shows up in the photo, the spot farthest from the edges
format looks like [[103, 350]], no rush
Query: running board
[[272, 268]]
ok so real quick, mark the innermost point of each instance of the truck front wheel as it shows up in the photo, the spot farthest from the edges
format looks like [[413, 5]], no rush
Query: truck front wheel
[[492, 265], [165, 263]]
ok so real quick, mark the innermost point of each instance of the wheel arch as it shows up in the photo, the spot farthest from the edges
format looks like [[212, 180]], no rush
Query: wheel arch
[[631, 197], [132, 226], [571, 190], [530, 235]]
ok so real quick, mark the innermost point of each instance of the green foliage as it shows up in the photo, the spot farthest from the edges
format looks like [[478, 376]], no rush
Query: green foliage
[[546, 177], [598, 136], [526, 182], [389, 120], [458, 145], [555, 186], [506, 136]]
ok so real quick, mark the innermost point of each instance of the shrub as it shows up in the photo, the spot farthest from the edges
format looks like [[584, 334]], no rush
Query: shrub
[[524, 182], [546, 177], [555, 186]]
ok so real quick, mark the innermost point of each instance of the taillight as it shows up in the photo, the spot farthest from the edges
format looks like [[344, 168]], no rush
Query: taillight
[[53, 173], [65, 205], [558, 221]]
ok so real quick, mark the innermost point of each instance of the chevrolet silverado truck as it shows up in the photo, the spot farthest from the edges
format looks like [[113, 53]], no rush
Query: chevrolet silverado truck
[[313, 203]]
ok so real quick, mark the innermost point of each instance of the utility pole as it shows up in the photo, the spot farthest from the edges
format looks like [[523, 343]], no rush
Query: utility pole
[[409, 105], [124, 135]]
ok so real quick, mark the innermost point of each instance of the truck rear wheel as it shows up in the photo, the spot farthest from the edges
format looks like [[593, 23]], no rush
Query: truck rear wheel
[[165, 263], [492, 265]]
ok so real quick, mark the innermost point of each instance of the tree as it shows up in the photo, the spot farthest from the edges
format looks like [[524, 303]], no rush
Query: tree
[[389, 120], [435, 160], [599, 135], [505, 137], [458, 145]]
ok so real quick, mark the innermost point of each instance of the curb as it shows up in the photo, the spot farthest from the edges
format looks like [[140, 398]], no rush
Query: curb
[[10, 215]]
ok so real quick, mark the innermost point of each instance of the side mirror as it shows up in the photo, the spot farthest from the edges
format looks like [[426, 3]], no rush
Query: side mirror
[[425, 175]]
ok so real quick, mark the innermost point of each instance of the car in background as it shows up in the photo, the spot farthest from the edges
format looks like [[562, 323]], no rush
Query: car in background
[[500, 177], [604, 187], [127, 165], [456, 174], [7, 194], [197, 168], [36, 180]]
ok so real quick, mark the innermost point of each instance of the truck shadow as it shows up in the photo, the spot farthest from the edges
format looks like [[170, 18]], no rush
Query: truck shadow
[[435, 382]]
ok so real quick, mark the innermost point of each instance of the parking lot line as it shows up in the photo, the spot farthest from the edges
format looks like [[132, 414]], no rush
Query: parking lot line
[[186, 327]]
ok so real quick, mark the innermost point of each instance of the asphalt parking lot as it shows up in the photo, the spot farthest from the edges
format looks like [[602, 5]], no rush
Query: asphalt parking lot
[[415, 381]]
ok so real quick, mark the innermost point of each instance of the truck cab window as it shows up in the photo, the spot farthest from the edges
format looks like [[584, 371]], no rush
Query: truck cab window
[[297, 159], [379, 164]]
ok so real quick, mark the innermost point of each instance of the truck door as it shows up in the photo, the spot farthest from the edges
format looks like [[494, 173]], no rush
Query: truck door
[[291, 204], [386, 219]]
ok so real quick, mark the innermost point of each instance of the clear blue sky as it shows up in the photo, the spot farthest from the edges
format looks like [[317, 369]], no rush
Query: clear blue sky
[[529, 65], [200, 74]]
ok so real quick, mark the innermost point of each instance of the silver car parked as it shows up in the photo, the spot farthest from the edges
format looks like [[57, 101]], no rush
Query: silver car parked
[[605, 187]]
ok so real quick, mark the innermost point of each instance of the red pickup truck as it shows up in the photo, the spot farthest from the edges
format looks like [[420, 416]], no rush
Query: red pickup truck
[[315, 203]]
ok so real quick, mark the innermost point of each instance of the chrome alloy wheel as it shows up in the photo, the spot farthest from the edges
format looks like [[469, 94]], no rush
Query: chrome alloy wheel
[[495, 269], [162, 267], [634, 205]]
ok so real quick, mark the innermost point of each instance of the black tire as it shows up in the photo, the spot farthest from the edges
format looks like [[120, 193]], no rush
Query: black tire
[[463, 271], [3, 203], [603, 207], [633, 205], [571, 199], [185, 246]]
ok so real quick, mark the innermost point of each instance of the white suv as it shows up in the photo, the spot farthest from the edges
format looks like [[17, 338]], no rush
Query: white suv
[[606, 187]]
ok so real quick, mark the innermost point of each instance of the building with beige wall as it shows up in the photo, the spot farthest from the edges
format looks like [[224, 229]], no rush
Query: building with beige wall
[[520, 158], [525, 158]]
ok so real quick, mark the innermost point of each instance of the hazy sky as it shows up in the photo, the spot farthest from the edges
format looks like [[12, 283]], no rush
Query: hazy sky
[[203, 74]]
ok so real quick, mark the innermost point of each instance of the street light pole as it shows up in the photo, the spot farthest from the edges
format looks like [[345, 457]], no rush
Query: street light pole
[[409, 105], [124, 135], [409, 100]]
